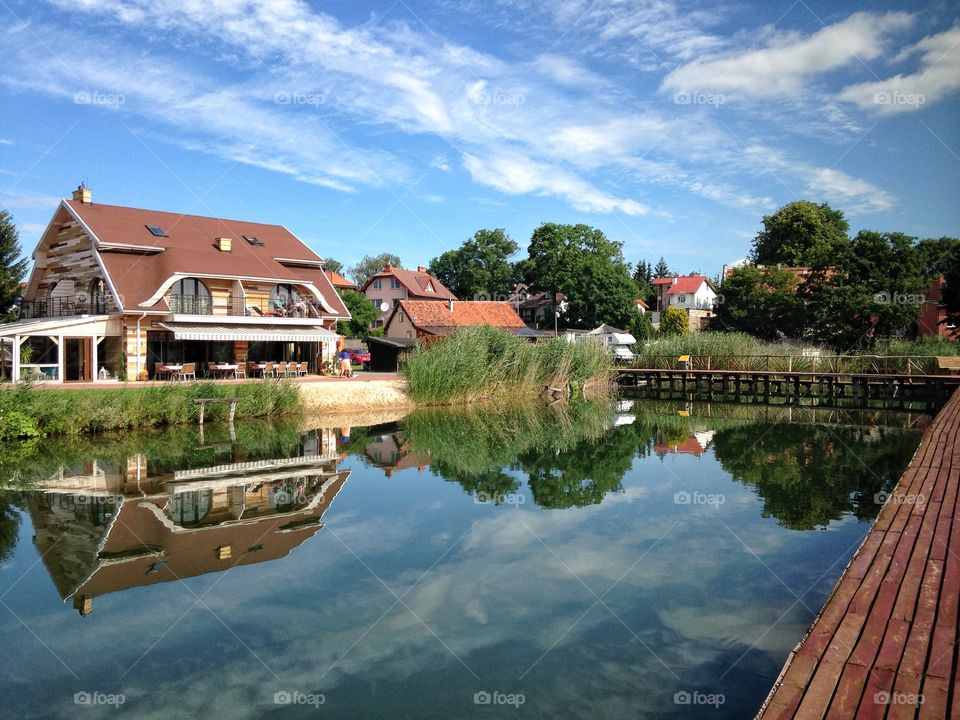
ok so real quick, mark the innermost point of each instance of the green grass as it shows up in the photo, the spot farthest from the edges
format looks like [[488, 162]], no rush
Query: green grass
[[920, 346], [75, 412], [482, 362]]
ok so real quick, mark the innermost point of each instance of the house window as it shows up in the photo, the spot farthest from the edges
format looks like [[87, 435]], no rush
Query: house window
[[376, 284], [683, 298], [400, 317], [191, 297], [98, 296], [376, 302], [410, 334], [429, 287], [394, 283], [396, 301], [284, 299]]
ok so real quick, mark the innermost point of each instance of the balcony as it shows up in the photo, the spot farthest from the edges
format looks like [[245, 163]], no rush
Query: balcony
[[244, 307], [65, 307]]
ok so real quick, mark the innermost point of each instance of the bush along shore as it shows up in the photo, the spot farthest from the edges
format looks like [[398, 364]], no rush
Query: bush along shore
[[477, 363], [27, 412]]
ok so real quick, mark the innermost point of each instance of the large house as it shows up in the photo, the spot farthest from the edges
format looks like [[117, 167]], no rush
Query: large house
[[116, 291], [391, 285], [413, 319], [694, 294]]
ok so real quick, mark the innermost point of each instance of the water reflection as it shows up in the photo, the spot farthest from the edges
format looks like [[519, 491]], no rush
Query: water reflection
[[107, 525]]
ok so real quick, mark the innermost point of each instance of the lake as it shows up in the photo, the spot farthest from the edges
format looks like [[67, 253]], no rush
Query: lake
[[645, 559]]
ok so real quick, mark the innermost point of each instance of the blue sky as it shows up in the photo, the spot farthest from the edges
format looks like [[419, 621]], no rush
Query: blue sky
[[405, 126]]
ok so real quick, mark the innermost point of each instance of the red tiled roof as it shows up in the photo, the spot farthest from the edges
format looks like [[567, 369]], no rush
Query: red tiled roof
[[662, 281], [690, 446], [416, 283], [339, 281], [431, 314], [686, 285], [189, 248]]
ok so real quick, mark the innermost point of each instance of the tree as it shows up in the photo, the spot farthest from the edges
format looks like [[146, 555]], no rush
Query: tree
[[371, 265], [661, 270], [642, 278], [760, 302], [580, 262], [801, 233], [640, 327], [480, 268], [363, 314], [673, 321], [334, 266], [13, 268]]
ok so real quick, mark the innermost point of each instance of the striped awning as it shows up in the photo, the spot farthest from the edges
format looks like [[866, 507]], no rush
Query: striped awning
[[251, 333]]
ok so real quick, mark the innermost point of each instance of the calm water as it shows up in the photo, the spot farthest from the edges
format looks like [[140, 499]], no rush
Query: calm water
[[657, 561]]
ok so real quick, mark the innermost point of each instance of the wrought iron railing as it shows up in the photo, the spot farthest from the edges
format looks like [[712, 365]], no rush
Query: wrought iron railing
[[64, 307]]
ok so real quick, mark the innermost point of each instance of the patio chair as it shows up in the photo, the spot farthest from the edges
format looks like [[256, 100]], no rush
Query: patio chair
[[282, 369], [302, 369], [268, 369], [189, 370], [241, 371]]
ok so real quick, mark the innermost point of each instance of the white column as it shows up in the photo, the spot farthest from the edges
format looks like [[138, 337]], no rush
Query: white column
[[61, 359], [15, 359], [95, 371]]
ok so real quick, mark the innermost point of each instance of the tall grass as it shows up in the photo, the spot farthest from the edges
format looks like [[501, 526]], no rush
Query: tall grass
[[920, 346], [484, 362], [713, 344], [74, 412]]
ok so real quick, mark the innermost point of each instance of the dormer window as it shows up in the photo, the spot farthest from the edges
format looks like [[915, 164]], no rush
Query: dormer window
[[156, 230], [429, 287], [253, 241]]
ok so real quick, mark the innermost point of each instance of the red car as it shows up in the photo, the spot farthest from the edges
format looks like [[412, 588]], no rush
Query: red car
[[359, 357]]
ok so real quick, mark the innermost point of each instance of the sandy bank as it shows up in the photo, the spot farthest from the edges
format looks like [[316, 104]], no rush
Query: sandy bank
[[346, 396]]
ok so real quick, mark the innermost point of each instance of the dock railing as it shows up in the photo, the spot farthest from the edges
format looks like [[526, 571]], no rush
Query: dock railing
[[837, 364]]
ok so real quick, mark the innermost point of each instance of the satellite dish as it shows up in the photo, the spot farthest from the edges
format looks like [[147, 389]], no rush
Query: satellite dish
[[384, 306]]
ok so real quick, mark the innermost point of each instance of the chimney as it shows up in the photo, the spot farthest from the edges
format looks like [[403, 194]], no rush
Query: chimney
[[388, 268], [421, 269], [673, 280], [224, 244], [83, 194]]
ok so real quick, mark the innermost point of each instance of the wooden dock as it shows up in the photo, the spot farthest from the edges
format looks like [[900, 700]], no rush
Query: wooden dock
[[885, 643], [781, 383]]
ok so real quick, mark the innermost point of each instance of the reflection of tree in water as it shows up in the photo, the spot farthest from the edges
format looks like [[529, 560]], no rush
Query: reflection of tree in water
[[809, 475], [9, 525]]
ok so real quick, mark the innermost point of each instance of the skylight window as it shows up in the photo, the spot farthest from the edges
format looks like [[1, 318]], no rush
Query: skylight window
[[156, 230], [253, 241]]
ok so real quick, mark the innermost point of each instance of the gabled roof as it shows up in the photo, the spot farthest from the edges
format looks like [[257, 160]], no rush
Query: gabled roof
[[339, 281], [684, 285], [419, 283], [138, 262], [437, 318], [542, 299]]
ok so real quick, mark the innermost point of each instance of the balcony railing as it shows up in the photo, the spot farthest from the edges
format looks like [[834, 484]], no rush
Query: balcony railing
[[245, 307], [64, 307]]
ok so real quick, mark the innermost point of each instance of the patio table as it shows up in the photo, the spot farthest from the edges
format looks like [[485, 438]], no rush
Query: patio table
[[171, 371], [256, 368], [224, 369]]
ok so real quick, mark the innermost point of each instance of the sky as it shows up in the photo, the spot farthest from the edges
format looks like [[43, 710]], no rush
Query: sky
[[405, 126]]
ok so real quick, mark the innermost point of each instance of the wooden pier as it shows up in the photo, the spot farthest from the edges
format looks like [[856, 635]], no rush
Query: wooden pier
[[779, 383], [885, 643]]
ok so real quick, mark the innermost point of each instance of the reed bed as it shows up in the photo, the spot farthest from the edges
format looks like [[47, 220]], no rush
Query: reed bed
[[483, 362]]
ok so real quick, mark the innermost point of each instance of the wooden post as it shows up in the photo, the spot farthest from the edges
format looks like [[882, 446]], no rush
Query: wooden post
[[233, 410], [203, 407]]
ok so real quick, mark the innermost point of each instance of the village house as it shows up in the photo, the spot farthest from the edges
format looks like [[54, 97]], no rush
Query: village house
[[933, 320], [413, 319], [118, 291], [391, 285], [538, 310], [694, 294], [340, 282]]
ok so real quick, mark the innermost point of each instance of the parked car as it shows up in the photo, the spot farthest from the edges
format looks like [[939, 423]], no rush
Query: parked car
[[360, 357]]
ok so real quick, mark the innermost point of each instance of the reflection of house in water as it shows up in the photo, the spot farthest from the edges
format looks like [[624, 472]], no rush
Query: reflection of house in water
[[695, 444], [100, 529], [390, 453]]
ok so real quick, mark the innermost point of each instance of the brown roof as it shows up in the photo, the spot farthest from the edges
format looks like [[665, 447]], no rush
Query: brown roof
[[431, 315], [189, 248], [339, 281], [416, 283]]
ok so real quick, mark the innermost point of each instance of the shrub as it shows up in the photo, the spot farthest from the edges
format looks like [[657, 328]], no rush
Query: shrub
[[673, 321]]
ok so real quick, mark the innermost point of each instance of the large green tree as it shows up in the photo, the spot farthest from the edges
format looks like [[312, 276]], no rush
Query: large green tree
[[480, 268], [643, 277], [661, 269], [580, 262], [362, 312], [764, 303], [370, 265], [334, 265], [801, 233], [13, 268]]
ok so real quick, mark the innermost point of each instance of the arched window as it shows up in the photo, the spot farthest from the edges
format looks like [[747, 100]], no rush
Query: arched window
[[190, 507], [191, 297], [98, 296], [284, 299]]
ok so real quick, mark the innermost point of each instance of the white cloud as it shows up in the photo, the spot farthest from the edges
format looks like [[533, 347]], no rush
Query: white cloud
[[789, 60], [938, 77]]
